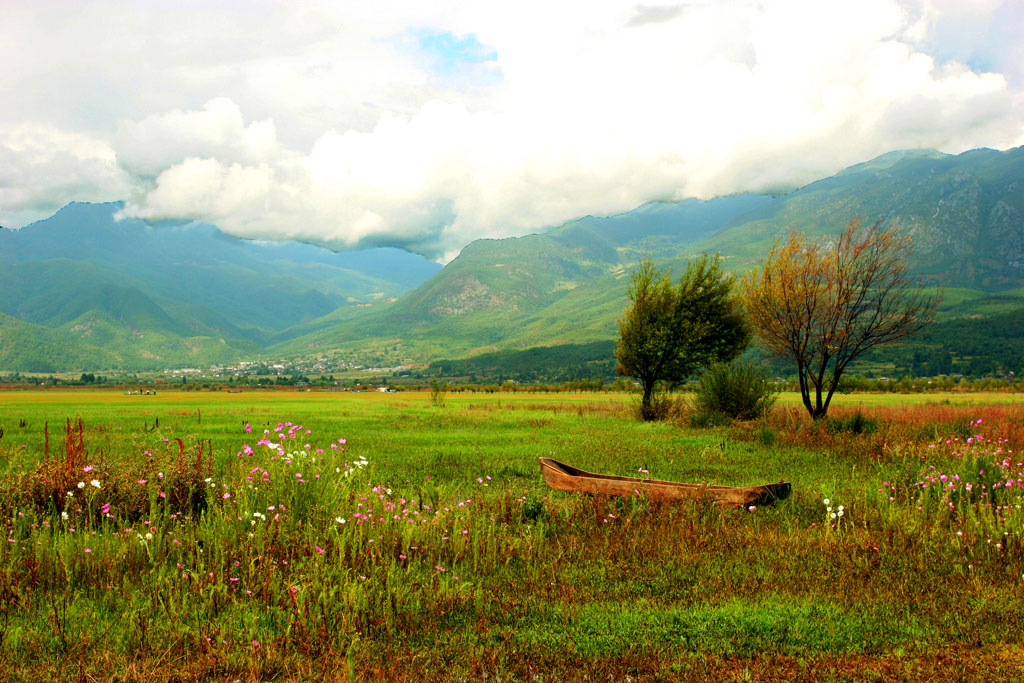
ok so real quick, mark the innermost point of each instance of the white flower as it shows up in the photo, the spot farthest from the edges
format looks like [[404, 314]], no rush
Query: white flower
[[81, 484], [339, 520], [149, 537], [832, 516], [64, 514], [95, 482], [827, 501], [71, 494]]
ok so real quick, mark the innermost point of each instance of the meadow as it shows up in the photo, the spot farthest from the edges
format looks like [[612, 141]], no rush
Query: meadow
[[338, 536]]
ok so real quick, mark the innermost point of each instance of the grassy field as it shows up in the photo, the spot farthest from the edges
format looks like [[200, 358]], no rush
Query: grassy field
[[333, 536]]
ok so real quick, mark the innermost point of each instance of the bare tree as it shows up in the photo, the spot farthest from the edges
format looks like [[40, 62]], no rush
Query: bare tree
[[822, 304]]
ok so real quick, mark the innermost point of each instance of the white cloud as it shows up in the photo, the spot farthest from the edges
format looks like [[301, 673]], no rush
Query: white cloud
[[218, 130], [42, 168], [324, 122]]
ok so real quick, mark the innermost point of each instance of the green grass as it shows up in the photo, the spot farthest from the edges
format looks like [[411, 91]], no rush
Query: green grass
[[471, 568]]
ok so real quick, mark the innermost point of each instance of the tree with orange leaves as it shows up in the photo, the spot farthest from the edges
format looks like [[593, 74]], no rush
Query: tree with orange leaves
[[822, 303]]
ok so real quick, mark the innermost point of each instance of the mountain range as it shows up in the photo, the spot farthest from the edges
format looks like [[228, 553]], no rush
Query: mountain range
[[84, 290]]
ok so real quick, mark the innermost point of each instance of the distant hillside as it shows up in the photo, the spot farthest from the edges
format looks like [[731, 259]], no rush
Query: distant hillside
[[965, 214], [561, 363], [560, 285], [265, 285], [143, 296], [156, 295]]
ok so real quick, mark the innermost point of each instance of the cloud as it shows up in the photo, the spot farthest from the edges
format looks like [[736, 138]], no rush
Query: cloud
[[159, 141], [41, 168], [654, 14], [427, 125]]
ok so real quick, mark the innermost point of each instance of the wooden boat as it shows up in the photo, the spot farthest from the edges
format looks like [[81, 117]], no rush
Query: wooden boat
[[562, 477]]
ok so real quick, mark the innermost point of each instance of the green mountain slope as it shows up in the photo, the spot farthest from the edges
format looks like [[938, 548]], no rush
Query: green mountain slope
[[965, 214], [253, 284], [185, 293], [34, 348], [523, 291], [137, 296]]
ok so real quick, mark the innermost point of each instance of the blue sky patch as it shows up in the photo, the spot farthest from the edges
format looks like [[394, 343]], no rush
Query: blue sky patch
[[450, 53]]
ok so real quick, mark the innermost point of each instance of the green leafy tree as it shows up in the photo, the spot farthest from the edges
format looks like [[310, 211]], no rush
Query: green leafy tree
[[669, 331]]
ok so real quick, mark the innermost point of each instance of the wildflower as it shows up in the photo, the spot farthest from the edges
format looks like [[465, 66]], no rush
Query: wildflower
[[339, 520], [87, 469], [827, 501], [81, 484]]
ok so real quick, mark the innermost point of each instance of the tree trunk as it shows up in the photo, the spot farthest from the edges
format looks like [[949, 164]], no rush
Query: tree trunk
[[646, 410]]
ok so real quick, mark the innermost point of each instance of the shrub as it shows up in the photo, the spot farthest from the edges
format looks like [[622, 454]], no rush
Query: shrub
[[71, 479], [705, 420], [858, 423], [737, 390], [661, 407]]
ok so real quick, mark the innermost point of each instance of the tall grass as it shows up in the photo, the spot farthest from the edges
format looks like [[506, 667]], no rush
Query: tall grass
[[405, 542]]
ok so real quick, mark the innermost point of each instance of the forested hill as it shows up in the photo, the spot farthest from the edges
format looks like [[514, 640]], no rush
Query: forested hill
[[135, 295], [964, 213], [147, 296]]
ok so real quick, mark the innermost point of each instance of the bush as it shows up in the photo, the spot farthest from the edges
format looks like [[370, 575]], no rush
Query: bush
[[858, 423], [663, 406], [706, 420], [737, 390]]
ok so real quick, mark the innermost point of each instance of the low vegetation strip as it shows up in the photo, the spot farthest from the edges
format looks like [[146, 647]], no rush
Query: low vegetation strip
[[368, 537]]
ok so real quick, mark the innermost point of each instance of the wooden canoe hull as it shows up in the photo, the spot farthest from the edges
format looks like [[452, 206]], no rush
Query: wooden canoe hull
[[563, 477]]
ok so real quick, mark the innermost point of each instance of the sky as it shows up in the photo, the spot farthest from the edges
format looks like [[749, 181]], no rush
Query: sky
[[426, 125]]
